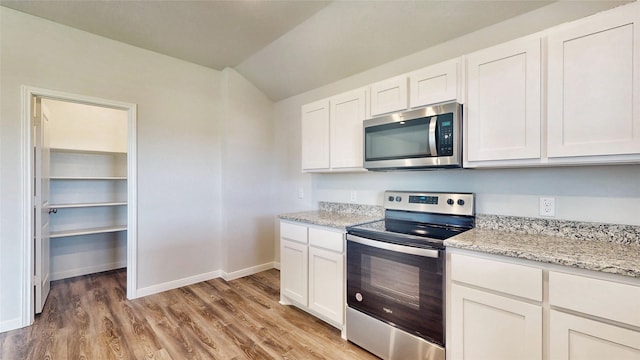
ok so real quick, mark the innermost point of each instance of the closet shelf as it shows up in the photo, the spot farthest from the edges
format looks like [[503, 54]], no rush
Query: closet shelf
[[88, 178], [80, 151], [85, 205], [88, 231]]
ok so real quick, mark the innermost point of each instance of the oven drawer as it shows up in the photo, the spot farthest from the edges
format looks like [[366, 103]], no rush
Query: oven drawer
[[326, 239], [508, 278], [297, 233]]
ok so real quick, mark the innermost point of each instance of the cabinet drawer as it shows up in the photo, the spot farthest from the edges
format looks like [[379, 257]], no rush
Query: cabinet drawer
[[293, 232], [518, 280], [606, 299], [330, 240]]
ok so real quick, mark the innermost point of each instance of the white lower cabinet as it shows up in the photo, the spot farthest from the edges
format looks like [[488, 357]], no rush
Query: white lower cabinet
[[312, 270], [497, 311], [326, 295], [488, 320], [593, 318], [574, 337], [490, 326], [293, 271]]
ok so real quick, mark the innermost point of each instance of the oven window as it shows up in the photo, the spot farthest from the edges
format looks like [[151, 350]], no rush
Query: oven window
[[395, 281]]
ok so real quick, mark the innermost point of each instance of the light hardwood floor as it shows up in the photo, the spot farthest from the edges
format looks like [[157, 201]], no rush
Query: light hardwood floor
[[89, 317]]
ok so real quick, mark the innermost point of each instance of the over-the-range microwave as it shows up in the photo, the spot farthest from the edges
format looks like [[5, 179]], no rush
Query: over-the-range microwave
[[425, 138]]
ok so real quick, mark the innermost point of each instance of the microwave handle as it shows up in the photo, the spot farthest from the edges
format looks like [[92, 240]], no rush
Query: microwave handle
[[393, 247], [432, 136]]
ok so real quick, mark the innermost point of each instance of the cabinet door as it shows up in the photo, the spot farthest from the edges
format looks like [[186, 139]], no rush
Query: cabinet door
[[503, 104], [326, 284], [434, 84], [315, 135], [594, 85], [293, 271], [489, 326], [573, 337], [389, 95], [348, 111]]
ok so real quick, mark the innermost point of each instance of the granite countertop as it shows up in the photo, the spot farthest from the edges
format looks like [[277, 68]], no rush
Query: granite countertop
[[607, 248], [337, 215]]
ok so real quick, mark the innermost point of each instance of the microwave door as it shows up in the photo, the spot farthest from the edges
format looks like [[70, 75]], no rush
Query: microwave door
[[398, 140]]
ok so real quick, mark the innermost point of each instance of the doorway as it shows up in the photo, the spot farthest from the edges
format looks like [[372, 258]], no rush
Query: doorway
[[80, 186]]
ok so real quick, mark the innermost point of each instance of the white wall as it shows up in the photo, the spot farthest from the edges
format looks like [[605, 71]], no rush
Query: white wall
[[178, 143], [86, 127], [597, 193], [247, 177]]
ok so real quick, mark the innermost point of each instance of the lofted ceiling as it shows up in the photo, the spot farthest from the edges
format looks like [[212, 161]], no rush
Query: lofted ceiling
[[284, 47]]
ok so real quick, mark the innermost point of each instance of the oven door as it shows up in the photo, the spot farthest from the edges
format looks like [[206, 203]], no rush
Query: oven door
[[400, 285]]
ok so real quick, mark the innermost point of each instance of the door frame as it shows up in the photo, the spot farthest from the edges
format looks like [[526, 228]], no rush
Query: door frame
[[26, 157]]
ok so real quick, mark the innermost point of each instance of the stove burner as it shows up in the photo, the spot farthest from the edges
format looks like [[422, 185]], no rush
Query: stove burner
[[420, 223]]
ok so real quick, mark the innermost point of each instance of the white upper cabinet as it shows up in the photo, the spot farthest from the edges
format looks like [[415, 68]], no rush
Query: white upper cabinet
[[332, 132], [435, 84], [503, 118], [594, 85], [348, 111], [389, 95], [315, 135]]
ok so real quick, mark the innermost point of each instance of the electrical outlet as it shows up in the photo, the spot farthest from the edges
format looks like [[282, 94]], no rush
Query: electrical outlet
[[300, 192], [547, 206], [353, 196]]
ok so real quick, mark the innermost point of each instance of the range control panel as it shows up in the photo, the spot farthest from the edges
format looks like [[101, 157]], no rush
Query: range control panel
[[437, 202]]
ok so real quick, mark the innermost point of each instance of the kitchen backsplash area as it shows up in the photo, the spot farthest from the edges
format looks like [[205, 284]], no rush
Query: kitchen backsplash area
[[358, 209], [576, 230]]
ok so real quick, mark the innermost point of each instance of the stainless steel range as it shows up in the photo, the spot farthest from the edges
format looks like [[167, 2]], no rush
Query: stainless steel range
[[395, 274]]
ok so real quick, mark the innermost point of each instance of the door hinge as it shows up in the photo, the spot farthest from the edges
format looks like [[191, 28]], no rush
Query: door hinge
[[35, 280]]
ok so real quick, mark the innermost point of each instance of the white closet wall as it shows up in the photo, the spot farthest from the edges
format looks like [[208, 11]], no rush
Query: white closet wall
[[85, 127], [88, 189]]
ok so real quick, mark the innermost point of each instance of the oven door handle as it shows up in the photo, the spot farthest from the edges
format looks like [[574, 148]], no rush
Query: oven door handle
[[394, 247]]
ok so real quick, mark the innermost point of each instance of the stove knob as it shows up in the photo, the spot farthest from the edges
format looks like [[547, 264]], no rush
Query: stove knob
[[460, 202], [450, 201], [398, 198], [390, 198]]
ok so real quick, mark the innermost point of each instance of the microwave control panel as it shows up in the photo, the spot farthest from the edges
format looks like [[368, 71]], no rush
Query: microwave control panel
[[445, 134]]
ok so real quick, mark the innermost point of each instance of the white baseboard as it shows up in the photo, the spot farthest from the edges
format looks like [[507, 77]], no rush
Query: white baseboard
[[248, 271], [87, 270], [276, 265], [8, 325], [154, 289], [170, 285]]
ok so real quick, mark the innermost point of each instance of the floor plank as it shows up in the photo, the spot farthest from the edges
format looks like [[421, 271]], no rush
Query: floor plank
[[89, 317]]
